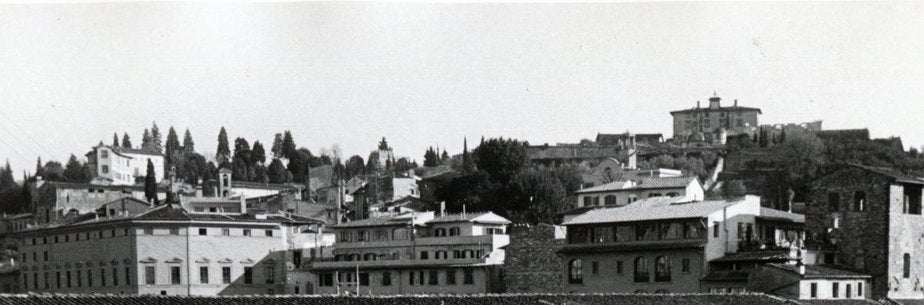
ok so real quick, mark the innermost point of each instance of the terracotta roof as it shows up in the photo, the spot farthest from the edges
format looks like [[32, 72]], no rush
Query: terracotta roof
[[375, 222], [494, 299], [778, 215], [754, 256], [822, 271], [656, 208], [642, 184]]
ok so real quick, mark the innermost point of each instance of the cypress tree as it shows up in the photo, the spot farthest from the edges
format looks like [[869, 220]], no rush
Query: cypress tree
[[115, 140], [126, 141], [223, 154], [156, 142], [150, 184], [172, 146], [188, 144]]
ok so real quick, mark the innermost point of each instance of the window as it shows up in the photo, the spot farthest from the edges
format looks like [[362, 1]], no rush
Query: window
[[670, 231], [913, 199], [609, 200], [399, 234], [849, 293], [602, 234], [147, 231], [269, 274], [226, 275], [646, 232], [203, 231], [246, 232], [631, 199], [175, 275], [575, 272], [715, 229], [588, 201], [248, 275], [834, 201], [324, 279], [410, 278], [104, 154], [382, 235], [386, 278], [618, 267], [596, 200], [105, 169], [269, 233], [79, 278], [45, 255], [685, 265], [468, 276], [860, 289], [89, 278], [906, 265], [835, 290], [174, 231], [859, 201], [433, 278], [115, 277], [594, 268], [128, 275], [454, 231], [203, 274], [67, 276], [641, 270], [364, 279], [226, 232], [663, 269], [450, 277], [149, 276], [58, 280]]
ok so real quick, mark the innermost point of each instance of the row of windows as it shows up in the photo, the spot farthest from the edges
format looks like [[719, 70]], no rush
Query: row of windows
[[859, 202], [836, 290], [127, 232], [612, 200], [414, 278], [635, 232], [422, 255], [641, 269], [401, 234], [76, 279]]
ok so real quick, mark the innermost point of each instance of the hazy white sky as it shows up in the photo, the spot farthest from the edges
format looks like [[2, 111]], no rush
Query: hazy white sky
[[429, 74]]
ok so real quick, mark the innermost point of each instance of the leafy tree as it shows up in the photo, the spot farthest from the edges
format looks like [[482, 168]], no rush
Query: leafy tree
[[126, 142], [501, 159], [404, 164], [372, 163], [354, 166], [430, 158], [277, 173], [115, 140], [188, 144], [156, 142], [444, 159], [223, 153], [53, 171], [150, 184], [6, 177], [733, 189], [241, 162], [277, 146], [75, 171], [257, 154], [325, 160], [260, 173]]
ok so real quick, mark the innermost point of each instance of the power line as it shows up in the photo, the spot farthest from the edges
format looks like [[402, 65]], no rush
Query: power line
[[21, 130]]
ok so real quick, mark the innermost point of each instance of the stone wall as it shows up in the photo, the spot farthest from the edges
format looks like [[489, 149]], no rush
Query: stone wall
[[532, 262]]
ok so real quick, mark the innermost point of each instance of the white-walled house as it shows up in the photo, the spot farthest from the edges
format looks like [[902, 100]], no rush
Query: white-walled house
[[122, 166]]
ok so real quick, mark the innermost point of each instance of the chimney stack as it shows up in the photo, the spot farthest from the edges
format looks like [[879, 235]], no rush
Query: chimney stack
[[801, 267], [714, 102], [736, 102]]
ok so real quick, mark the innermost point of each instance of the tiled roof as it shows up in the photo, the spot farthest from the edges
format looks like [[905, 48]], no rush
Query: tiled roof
[[822, 271], [642, 184], [493, 299], [891, 173], [374, 222], [459, 217], [271, 186], [777, 215], [656, 208], [752, 256]]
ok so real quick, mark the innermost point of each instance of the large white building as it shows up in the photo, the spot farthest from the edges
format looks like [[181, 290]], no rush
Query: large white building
[[122, 166]]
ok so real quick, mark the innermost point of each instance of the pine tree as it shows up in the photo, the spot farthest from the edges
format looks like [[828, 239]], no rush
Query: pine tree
[[188, 144], [74, 171], [223, 154], [6, 177], [257, 153], [115, 140], [156, 139], [39, 169], [126, 141], [288, 146], [277, 146], [150, 184], [146, 142], [277, 172]]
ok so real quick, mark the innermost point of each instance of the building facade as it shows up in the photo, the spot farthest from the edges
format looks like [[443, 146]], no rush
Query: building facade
[[122, 166], [51, 201], [187, 249], [870, 220], [623, 192], [703, 124], [656, 245], [810, 282], [416, 253]]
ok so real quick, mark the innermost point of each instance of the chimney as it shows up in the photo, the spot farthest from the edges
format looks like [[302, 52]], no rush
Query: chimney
[[697, 104], [736, 102], [442, 208], [714, 102]]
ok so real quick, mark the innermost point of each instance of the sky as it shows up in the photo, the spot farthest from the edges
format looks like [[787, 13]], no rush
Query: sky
[[430, 74]]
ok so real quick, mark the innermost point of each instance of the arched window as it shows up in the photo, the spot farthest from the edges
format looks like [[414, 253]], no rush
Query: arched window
[[399, 234], [362, 236], [641, 270], [380, 235], [632, 198], [346, 237], [575, 272], [663, 269], [906, 270], [454, 231], [609, 200], [369, 257], [440, 232], [859, 201]]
